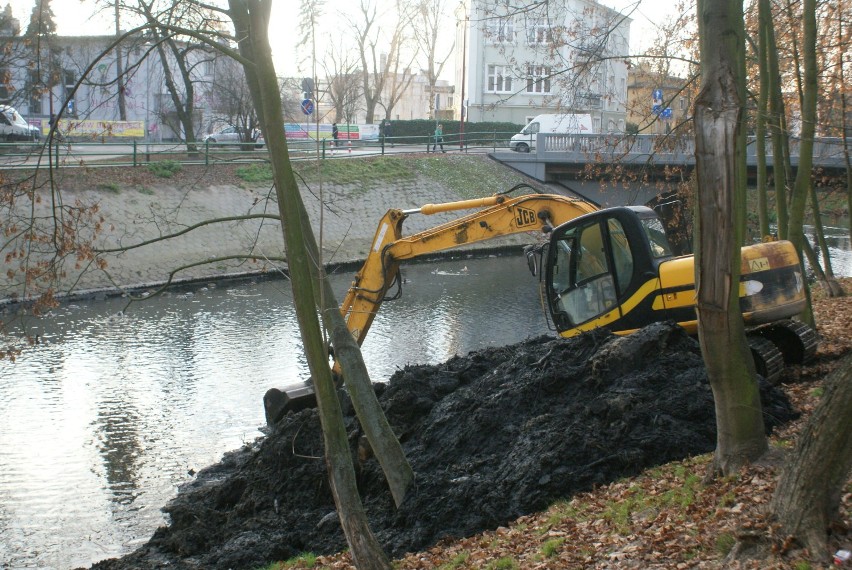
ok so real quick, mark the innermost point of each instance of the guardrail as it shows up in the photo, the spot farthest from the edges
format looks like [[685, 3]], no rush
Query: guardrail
[[665, 149], [73, 153], [828, 152]]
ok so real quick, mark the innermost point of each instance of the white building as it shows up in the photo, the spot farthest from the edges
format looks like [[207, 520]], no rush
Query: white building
[[40, 81], [562, 56]]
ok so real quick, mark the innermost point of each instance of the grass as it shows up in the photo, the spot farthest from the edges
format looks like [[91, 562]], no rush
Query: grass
[[164, 168], [551, 547], [724, 543], [255, 173], [456, 561], [112, 187], [304, 560], [505, 563], [340, 171]]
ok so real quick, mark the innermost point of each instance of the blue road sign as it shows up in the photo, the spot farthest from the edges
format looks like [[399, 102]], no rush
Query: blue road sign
[[307, 106], [666, 113]]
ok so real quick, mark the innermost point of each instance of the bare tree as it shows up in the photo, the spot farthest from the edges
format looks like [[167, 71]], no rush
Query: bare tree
[[231, 101], [251, 19], [428, 23], [384, 75], [342, 83], [181, 56], [721, 176]]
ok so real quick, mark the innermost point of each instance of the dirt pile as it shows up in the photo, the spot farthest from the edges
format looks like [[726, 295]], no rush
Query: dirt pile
[[491, 436]]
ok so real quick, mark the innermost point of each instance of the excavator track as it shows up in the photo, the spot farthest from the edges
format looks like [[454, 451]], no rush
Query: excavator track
[[797, 341], [768, 359]]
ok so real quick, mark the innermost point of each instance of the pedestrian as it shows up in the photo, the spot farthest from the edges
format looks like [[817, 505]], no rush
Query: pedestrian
[[439, 138], [388, 131], [54, 125], [334, 133]]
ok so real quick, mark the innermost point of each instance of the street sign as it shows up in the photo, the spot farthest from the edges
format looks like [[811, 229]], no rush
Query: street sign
[[666, 113], [307, 106], [657, 97]]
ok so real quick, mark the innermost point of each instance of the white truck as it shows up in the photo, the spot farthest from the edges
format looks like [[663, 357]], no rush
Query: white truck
[[570, 124], [13, 127]]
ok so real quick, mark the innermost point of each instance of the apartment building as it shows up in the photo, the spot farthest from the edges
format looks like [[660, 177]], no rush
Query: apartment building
[[564, 56]]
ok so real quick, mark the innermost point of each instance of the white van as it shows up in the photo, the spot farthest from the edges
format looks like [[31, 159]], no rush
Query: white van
[[13, 127], [572, 124]]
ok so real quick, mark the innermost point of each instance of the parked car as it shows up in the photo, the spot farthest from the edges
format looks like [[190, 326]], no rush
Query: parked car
[[13, 127], [234, 135]]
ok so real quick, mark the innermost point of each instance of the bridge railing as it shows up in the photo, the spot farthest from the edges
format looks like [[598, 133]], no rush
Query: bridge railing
[[664, 149]]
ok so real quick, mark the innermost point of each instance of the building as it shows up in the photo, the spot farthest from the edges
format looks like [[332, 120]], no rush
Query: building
[[520, 59], [658, 102], [78, 75]]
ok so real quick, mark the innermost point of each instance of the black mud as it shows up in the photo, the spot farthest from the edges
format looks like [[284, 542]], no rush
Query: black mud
[[491, 436]]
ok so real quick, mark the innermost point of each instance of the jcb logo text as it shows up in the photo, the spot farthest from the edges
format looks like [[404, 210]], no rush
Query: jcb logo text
[[524, 217]]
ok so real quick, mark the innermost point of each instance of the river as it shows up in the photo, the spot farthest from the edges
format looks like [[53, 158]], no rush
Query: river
[[113, 410]]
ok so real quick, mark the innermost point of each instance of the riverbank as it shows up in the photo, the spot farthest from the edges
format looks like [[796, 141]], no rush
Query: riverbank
[[213, 222], [613, 434]]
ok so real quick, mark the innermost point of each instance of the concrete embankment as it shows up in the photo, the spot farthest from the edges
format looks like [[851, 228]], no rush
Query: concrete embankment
[[343, 216]]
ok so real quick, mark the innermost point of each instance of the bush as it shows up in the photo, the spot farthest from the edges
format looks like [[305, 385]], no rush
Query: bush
[[422, 130], [165, 168]]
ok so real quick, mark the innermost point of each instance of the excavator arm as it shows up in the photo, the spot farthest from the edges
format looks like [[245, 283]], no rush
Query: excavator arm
[[495, 216]]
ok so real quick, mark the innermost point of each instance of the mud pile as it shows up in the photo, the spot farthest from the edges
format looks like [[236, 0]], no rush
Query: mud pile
[[491, 436]]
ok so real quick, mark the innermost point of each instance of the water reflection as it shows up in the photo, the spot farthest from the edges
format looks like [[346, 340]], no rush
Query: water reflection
[[102, 420]]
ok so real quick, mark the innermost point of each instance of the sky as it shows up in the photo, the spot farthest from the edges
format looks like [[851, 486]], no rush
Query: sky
[[75, 17]]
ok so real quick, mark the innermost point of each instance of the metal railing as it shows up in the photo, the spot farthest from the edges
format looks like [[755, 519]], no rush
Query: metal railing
[[73, 153], [666, 149]]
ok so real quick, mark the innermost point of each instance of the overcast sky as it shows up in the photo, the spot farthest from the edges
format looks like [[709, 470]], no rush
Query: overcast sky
[[75, 17]]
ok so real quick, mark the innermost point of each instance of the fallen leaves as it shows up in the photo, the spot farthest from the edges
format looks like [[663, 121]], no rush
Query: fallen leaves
[[666, 517]]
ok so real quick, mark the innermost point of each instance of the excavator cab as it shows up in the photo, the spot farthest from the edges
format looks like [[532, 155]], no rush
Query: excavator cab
[[594, 265]]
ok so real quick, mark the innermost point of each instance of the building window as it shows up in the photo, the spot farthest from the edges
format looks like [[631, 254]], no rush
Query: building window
[[35, 94], [682, 103], [70, 81], [5, 82], [501, 30], [538, 79], [499, 79], [538, 31]]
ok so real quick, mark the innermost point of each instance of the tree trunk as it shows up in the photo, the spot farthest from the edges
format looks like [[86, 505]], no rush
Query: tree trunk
[[829, 282], [764, 15], [119, 71], [780, 156], [721, 170], [807, 498], [795, 229], [251, 19]]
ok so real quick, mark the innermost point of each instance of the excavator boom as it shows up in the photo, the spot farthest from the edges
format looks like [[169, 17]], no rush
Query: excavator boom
[[497, 216]]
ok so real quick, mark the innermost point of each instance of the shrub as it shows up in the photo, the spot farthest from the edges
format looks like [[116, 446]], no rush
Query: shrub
[[165, 168]]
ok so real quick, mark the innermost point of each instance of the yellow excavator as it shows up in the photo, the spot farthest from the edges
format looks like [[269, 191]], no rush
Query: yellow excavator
[[598, 268]]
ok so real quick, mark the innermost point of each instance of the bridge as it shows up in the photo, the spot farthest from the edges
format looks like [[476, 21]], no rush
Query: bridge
[[562, 159]]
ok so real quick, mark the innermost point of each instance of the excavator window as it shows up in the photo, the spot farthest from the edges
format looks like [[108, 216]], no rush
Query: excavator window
[[656, 233], [581, 279], [622, 257]]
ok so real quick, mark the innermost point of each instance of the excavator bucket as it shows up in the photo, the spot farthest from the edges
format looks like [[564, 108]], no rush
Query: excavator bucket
[[276, 403]]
